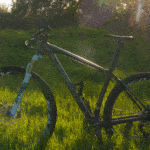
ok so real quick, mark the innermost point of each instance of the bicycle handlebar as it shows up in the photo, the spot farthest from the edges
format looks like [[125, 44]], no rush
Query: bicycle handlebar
[[41, 31], [36, 36]]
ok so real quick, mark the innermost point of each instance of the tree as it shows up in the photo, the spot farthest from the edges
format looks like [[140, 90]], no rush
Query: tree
[[3, 9], [93, 14], [20, 8], [45, 9]]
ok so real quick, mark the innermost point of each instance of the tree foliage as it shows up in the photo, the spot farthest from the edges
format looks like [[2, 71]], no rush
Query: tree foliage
[[47, 10], [93, 15]]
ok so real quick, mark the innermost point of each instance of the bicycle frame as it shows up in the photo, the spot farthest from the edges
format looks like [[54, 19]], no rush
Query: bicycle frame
[[50, 50]]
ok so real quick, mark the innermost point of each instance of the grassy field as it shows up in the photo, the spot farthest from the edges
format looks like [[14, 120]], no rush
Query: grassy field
[[89, 43]]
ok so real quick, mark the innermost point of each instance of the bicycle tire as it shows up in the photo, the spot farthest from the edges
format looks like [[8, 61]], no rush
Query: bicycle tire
[[139, 84], [46, 95]]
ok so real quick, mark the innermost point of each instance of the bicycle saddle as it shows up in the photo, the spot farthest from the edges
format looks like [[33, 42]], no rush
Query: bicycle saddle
[[118, 36]]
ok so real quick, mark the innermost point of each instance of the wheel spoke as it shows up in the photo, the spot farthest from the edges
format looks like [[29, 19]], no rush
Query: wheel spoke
[[130, 93], [127, 102]]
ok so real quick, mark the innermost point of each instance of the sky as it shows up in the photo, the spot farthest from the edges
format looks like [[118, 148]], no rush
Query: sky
[[6, 3]]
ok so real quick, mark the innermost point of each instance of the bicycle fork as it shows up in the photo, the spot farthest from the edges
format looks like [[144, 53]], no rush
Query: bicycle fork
[[23, 86]]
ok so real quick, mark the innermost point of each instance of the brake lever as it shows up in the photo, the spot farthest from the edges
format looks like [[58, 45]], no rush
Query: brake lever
[[47, 28], [34, 40], [39, 36], [27, 43]]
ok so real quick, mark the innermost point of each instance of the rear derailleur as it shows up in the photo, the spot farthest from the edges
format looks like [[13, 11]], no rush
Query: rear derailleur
[[145, 122]]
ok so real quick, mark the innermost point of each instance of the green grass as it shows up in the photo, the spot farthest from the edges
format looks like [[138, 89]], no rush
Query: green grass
[[89, 43]]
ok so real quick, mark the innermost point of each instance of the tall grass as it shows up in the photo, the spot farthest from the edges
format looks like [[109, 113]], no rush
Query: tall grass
[[89, 43]]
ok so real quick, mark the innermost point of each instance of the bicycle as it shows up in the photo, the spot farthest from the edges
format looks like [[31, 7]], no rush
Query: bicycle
[[126, 88]]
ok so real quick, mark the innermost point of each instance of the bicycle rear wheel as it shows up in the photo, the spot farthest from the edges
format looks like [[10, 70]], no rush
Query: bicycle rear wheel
[[31, 126], [119, 104]]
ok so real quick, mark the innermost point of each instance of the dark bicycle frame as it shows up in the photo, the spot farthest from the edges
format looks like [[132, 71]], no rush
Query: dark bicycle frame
[[51, 50]]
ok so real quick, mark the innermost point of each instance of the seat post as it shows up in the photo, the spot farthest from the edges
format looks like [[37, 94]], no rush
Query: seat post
[[120, 40], [109, 76], [116, 56]]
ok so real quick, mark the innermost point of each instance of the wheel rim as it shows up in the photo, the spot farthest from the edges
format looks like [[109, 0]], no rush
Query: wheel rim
[[28, 127], [120, 107]]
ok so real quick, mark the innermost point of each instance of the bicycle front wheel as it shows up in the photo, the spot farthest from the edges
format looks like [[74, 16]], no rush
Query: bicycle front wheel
[[122, 104], [36, 117]]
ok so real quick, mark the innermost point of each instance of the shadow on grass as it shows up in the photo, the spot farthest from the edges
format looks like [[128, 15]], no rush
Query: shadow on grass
[[13, 144], [90, 142]]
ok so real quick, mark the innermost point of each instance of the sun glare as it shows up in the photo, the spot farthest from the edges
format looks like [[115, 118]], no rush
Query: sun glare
[[140, 7], [6, 3]]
